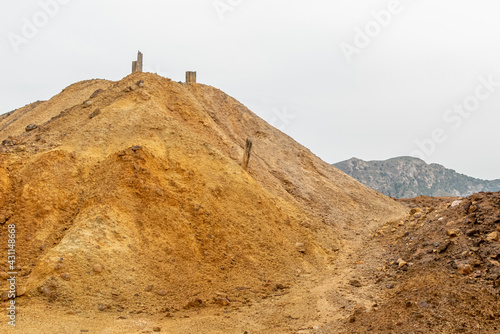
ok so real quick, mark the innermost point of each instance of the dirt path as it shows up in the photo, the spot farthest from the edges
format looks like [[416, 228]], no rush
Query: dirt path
[[350, 286]]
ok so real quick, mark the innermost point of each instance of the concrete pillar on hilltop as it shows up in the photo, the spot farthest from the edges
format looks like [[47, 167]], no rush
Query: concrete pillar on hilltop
[[139, 61], [190, 77], [137, 64]]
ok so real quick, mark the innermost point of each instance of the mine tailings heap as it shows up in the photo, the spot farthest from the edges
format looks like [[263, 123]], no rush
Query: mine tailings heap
[[133, 192]]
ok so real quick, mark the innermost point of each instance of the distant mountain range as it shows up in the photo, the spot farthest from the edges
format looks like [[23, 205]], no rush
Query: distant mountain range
[[407, 177]]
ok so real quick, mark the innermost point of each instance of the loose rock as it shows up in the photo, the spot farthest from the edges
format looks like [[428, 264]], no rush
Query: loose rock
[[444, 246], [494, 236], [45, 290], [31, 127], [464, 269], [20, 291], [162, 293], [401, 263], [473, 208], [472, 232], [97, 268], [476, 262], [300, 247], [66, 276], [355, 283], [223, 301], [414, 211], [4, 296], [194, 304]]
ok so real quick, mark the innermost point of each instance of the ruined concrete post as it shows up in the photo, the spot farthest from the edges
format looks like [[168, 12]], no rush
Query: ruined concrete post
[[246, 154], [137, 64], [139, 61], [190, 77]]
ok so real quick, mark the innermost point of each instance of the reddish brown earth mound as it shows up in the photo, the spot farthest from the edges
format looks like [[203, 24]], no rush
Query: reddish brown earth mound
[[442, 269]]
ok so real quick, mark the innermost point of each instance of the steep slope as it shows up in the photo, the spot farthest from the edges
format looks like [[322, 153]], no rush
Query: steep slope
[[14, 123], [135, 200], [407, 177]]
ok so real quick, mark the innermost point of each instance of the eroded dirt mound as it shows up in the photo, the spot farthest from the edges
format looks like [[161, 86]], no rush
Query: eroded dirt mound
[[442, 269], [40, 112], [129, 197]]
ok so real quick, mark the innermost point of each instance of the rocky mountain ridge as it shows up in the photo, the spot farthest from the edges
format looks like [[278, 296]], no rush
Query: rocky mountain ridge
[[408, 177]]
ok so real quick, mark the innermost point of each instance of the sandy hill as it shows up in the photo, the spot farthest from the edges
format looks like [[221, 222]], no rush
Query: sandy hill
[[129, 197]]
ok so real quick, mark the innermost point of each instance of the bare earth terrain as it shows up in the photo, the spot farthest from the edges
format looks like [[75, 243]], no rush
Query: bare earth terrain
[[133, 215]]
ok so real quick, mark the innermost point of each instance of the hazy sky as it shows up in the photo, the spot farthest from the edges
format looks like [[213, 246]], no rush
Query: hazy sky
[[366, 78]]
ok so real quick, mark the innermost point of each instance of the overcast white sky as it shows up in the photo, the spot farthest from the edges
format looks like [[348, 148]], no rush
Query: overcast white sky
[[285, 61]]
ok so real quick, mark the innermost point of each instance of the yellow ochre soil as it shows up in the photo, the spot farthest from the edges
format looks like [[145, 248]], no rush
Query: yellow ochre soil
[[133, 215]]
